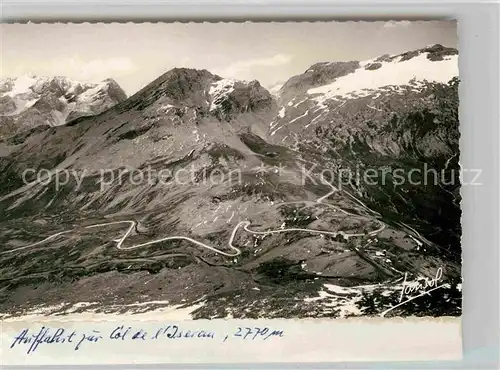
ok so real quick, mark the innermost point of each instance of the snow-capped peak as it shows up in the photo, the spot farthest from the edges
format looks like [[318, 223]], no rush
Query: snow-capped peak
[[22, 85], [394, 71], [39, 100]]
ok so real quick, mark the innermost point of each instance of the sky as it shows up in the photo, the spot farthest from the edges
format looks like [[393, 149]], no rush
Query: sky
[[136, 54]]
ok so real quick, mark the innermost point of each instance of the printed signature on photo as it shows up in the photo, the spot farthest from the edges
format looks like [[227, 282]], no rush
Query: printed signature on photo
[[411, 290]]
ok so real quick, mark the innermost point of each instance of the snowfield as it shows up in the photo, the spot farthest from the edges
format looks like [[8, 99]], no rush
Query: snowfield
[[58, 96], [393, 73]]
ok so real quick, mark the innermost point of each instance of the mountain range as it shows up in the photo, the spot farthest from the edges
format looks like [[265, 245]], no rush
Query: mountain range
[[334, 120], [28, 102]]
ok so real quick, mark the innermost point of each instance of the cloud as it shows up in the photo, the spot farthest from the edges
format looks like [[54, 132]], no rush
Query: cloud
[[96, 69], [240, 69], [274, 88], [393, 24]]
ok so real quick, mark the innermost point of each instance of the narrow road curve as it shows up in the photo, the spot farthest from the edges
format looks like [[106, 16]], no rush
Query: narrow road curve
[[333, 233], [235, 251]]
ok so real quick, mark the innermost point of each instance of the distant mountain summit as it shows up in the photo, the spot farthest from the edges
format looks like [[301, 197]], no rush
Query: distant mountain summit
[[353, 100], [209, 93], [348, 79], [29, 101], [398, 111]]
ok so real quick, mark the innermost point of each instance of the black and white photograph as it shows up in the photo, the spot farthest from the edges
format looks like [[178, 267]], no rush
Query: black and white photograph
[[191, 171]]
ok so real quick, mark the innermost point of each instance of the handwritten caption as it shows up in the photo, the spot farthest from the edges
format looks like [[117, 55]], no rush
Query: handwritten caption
[[30, 340]]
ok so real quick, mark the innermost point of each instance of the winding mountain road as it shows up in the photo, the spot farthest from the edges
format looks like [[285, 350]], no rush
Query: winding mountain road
[[235, 251]]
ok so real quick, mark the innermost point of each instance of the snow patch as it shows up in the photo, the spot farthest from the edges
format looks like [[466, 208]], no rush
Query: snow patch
[[299, 103], [138, 310], [299, 117], [282, 112], [275, 131], [219, 91]]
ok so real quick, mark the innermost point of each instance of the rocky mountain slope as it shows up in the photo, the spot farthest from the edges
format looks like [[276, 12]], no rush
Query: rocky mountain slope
[[193, 191], [27, 102], [392, 114]]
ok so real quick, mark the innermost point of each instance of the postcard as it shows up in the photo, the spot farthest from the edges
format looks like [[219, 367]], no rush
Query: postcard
[[229, 192]]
